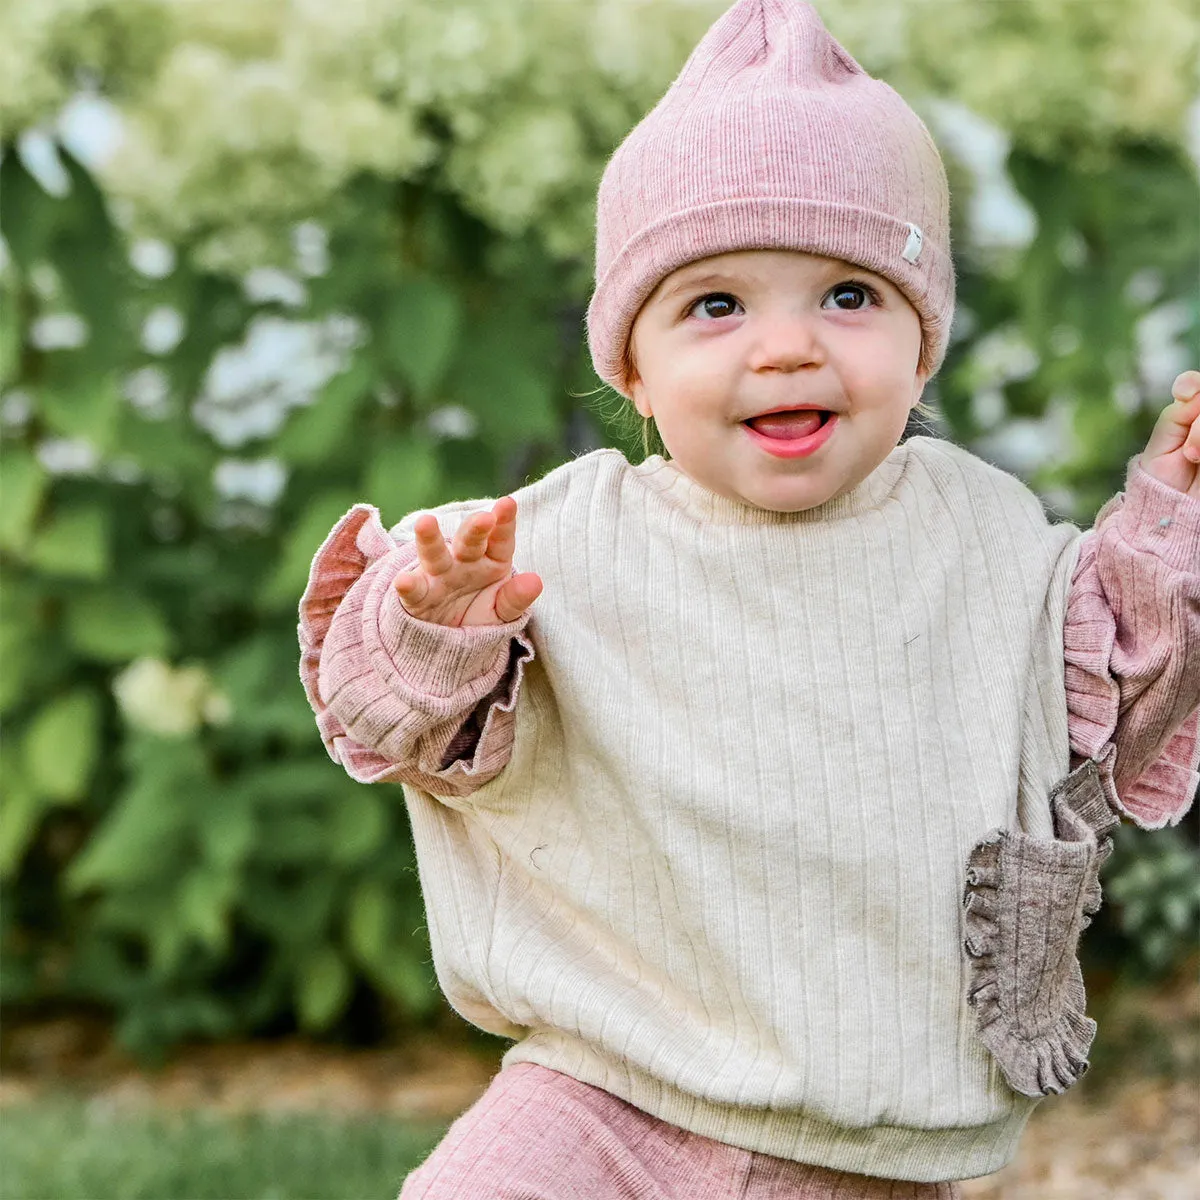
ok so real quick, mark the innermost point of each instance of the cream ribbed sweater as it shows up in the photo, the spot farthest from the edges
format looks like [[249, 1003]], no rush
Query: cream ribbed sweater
[[695, 883]]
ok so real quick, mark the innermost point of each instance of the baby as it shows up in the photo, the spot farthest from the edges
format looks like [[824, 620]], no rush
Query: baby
[[763, 806]]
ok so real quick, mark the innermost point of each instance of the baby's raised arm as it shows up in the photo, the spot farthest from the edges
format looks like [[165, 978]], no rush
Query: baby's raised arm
[[408, 661]]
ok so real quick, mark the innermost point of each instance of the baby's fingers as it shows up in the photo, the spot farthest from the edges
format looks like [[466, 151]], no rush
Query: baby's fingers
[[517, 595], [432, 552], [503, 539], [1186, 386], [471, 539], [1177, 428], [412, 588]]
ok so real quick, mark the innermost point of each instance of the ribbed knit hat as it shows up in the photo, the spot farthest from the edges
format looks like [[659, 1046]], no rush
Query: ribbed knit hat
[[772, 137]]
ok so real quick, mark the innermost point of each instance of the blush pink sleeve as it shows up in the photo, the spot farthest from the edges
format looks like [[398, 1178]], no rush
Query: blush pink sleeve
[[1132, 649], [397, 698]]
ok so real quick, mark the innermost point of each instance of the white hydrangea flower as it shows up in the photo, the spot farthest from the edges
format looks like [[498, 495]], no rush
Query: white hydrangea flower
[[162, 330], [149, 391], [249, 389], [260, 481], [58, 331], [265, 284], [170, 701], [239, 119], [152, 257], [68, 456], [523, 161]]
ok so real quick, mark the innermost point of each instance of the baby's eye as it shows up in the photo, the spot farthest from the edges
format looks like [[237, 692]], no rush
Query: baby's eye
[[848, 288], [714, 306]]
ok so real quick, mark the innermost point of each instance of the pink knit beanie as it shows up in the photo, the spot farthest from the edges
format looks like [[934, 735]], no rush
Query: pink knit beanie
[[772, 137]]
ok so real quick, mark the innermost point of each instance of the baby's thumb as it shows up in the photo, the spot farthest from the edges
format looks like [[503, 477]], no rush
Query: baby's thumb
[[517, 595]]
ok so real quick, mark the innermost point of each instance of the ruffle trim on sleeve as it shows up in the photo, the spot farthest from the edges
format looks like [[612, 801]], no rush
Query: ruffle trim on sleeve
[[367, 674], [352, 545], [1164, 791]]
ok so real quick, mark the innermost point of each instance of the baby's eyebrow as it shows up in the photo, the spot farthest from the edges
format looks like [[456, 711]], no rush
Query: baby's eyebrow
[[688, 282]]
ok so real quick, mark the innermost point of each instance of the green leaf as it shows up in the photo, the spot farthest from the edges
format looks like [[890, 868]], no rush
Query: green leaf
[[115, 625], [295, 913], [22, 486], [20, 815], [73, 543], [10, 338], [227, 831], [204, 897], [403, 476], [313, 433], [282, 786], [368, 918], [61, 745], [168, 938], [505, 376], [420, 331], [84, 402], [29, 213], [292, 839], [145, 834], [21, 648], [249, 675], [286, 584], [359, 826], [404, 975], [323, 987]]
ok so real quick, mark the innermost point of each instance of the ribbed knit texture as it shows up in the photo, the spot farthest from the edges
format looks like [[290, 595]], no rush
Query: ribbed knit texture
[[713, 860], [1148, 559], [536, 1132], [772, 137]]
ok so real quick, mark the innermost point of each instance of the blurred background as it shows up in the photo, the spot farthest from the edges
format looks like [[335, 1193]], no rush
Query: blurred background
[[261, 259]]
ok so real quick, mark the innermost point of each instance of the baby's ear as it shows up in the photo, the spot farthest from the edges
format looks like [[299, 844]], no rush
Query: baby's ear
[[635, 389], [922, 378], [637, 393]]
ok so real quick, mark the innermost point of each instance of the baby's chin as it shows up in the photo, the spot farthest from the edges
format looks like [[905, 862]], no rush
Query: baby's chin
[[791, 491], [780, 494]]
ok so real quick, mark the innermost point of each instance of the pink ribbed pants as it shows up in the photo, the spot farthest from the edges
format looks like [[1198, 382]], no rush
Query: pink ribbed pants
[[537, 1134]]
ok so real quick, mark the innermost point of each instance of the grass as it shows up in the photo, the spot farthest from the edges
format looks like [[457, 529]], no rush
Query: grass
[[62, 1149]]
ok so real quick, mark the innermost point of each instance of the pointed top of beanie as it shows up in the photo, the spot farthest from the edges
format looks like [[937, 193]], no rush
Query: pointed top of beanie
[[772, 137], [784, 43]]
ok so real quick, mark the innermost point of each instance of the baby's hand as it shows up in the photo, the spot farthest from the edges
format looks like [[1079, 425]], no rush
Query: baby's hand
[[470, 581], [1173, 451]]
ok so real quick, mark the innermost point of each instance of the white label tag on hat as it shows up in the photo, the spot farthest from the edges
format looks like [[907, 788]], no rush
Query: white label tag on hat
[[912, 249]]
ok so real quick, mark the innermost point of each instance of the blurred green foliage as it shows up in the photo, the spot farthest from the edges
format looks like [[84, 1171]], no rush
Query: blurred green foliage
[[174, 844], [213, 872], [1154, 886]]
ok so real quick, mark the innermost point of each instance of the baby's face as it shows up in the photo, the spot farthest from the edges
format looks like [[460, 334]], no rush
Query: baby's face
[[731, 337]]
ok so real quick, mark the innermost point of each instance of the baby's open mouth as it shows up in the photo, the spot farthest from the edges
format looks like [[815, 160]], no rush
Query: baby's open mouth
[[789, 425]]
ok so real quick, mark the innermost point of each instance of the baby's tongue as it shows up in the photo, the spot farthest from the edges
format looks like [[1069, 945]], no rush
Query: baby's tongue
[[788, 424]]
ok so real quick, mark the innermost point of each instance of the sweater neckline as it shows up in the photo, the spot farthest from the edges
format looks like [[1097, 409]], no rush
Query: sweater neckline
[[664, 476]]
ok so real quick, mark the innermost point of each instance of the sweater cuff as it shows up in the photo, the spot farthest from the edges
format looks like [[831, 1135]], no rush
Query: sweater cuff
[[1159, 519]]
